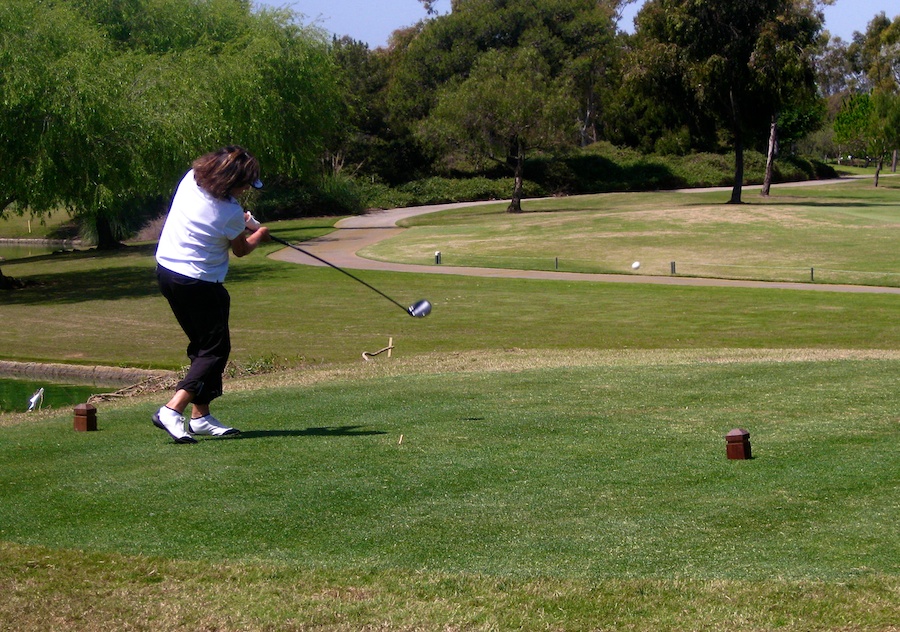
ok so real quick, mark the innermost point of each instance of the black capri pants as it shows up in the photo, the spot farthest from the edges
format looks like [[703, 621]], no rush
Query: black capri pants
[[202, 309]]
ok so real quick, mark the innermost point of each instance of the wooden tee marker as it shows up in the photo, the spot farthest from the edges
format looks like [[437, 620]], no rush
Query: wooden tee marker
[[85, 418], [737, 444]]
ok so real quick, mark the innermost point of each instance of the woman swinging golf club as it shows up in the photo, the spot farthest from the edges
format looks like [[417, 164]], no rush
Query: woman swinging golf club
[[205, 221]]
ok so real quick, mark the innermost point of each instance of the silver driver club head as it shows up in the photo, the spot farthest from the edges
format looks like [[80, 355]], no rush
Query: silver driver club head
[[420, 309]]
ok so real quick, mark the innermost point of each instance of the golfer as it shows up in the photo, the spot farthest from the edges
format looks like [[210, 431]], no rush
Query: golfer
[[205, 222]]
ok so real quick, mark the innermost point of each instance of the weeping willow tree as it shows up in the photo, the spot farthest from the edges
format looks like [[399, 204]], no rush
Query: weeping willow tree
[[105, 103]]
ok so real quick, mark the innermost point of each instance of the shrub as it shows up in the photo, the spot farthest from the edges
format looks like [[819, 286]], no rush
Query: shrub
[[598, 168], [331, 194], [438, 190]]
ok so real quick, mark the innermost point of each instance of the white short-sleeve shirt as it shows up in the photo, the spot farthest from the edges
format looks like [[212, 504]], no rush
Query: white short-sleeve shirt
[[196, 238]]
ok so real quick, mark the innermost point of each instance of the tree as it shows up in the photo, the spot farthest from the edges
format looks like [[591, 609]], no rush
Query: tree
[[575, 38], [853, 123], [657, 108], [783, 65], [107, 101], [877, 53], [722, 49], [68, 126], [870, 124], [369, 142], [508, 105], [836, 72]]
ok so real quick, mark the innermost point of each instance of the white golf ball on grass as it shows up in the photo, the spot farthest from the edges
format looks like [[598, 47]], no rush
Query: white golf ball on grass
[[635, 265]]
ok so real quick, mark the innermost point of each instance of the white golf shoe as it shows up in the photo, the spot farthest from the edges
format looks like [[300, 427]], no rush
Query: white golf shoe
[[173, 423], [209, 425]]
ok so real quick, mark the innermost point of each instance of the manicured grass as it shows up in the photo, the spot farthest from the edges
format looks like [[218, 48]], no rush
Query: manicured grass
[[13, 226], [493, 477], [95, 592], [536, 455], [538, 472], [842, 233], [107, 310]]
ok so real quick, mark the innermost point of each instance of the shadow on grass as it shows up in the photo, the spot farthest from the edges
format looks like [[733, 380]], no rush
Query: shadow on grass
[[81, 286], [105, 279], [324, 431]]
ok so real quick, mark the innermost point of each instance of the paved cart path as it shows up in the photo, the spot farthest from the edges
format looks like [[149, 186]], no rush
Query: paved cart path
[[358, 232]]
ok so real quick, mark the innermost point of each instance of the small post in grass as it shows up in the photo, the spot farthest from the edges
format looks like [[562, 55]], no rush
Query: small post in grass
[[738, 444], [85, 418]]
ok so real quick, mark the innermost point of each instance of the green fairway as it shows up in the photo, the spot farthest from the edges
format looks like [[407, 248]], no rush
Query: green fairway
[[13, 226], [565, 471], [840, 233], [512, 467], [535, 454], [107, 310]]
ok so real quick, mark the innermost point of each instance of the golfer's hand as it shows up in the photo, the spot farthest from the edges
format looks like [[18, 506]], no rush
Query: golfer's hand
[[261, 234], [245, 243], [250, 222]]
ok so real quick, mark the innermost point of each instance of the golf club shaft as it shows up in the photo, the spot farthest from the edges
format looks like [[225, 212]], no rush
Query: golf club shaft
[[331, 265]]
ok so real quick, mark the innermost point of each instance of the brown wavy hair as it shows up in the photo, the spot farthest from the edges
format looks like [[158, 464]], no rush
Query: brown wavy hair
[[222, 171]]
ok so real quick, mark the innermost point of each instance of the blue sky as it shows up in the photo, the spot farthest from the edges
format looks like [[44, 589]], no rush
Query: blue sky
[[373, 21], [841, 19]]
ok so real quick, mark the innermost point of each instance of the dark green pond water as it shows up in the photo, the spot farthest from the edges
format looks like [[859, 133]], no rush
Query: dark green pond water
[[15, 394], [9, 252]]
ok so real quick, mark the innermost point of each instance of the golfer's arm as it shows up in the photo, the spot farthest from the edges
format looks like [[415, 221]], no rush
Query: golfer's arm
[[245, 243]]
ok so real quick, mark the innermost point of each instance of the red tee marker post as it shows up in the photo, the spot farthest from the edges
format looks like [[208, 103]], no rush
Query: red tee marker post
[[737, 444], [85, 418]]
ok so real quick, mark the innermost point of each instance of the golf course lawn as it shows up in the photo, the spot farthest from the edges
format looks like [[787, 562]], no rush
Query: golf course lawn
[[534, 454]]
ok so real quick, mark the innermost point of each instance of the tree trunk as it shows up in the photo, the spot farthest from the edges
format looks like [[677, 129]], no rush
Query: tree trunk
[[106, 238], [589, 126], [770, 157], [738, 172], [9, 283], [515, 205], [894, 162], [738, 153], [878, 166]]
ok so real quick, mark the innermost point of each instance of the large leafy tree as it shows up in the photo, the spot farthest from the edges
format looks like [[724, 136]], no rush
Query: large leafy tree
[[68, 120], [836, 72], [854, 77], [869, 124], [731, 55], [508, 105], [783, 62], [106, 101], [657, 108], [370, 142], [574, 38], [877, 53]]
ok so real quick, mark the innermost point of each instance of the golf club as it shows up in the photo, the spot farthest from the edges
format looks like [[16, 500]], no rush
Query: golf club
[[419, 309]]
